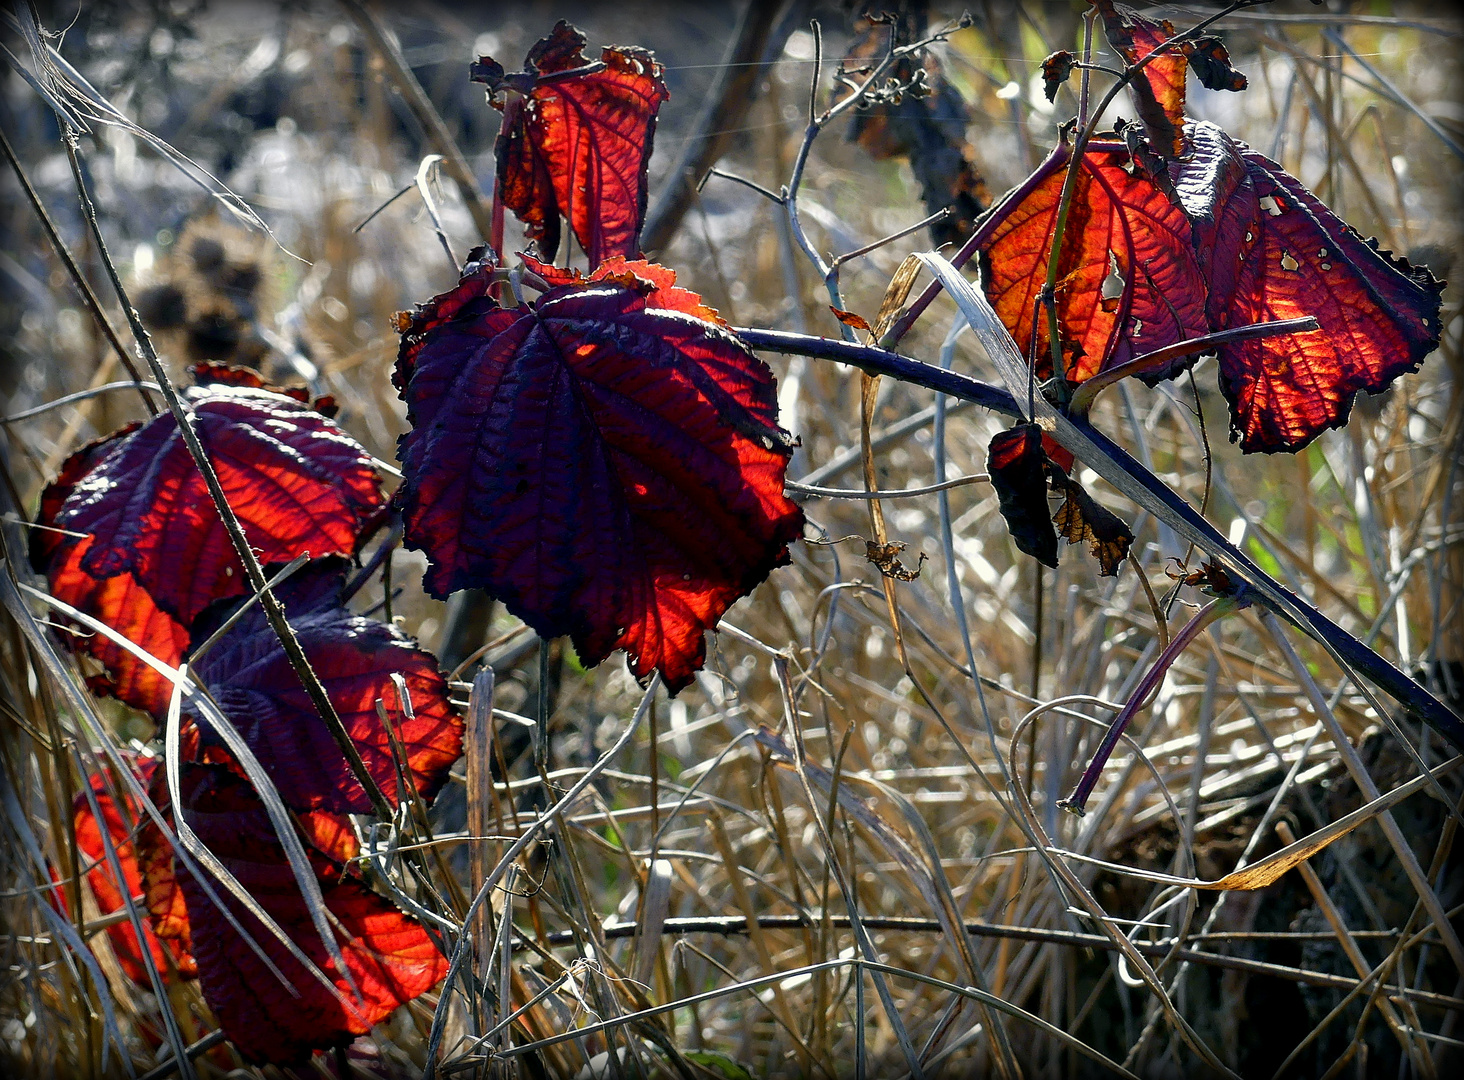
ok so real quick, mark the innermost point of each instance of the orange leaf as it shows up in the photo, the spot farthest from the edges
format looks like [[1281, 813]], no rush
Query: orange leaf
[[1159, 90], [1129, 279]]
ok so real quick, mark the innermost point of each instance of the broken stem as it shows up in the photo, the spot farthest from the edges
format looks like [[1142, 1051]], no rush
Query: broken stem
[[1133, 480], [1076, 803]]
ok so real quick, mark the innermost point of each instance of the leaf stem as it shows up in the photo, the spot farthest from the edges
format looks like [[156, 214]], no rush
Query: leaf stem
[[1082, 399], [1089, 17]]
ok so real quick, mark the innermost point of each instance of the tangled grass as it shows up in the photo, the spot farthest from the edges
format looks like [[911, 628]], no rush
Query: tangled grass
[[834, 786]]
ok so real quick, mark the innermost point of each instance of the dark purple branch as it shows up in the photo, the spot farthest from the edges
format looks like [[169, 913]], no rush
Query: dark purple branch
[[1193, 524], [877, 361], [1077, 802]]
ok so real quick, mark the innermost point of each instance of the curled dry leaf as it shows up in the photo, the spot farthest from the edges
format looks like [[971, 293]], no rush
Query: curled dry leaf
[[1210, 61], [578, 141], [1158, 92], [924, 124], [1081, 518], [157, 553], [1055, 71], [390, 957], [610, 469], [1018, 467], [886, 558], [251, 679]]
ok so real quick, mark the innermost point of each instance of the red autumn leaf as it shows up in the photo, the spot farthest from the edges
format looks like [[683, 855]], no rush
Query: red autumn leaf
[[109, 894], [390, 957], [1158, 92], [609, 469], [166, 910], [1128, 281], [296, 481], [126, 607], [578, 142], [118, 601], [657, 283], [1019, 469], [1057, 453], [220, 374], [1275, 252], [250, 677]]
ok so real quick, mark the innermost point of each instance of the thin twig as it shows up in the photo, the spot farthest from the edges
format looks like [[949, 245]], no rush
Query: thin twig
[[253, 572], [756, 38], [77, 277]]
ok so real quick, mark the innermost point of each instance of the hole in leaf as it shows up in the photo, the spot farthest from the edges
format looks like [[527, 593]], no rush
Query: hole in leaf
[[1111, 290]]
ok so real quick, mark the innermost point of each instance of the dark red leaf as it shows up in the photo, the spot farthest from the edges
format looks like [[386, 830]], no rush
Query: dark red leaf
[[117, 601], [1275, 252], [1055, 71], [609, 469], [1158, 92], [109, 895], [1128, 281], [219, 374], [577, 144], [296, 481], [1210, 61], [1019, 469], [390, 957], [128, 608], [1081, 518], [655, 282], [1056, 453], [166, 909], [250, 677], [1217, 196]]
